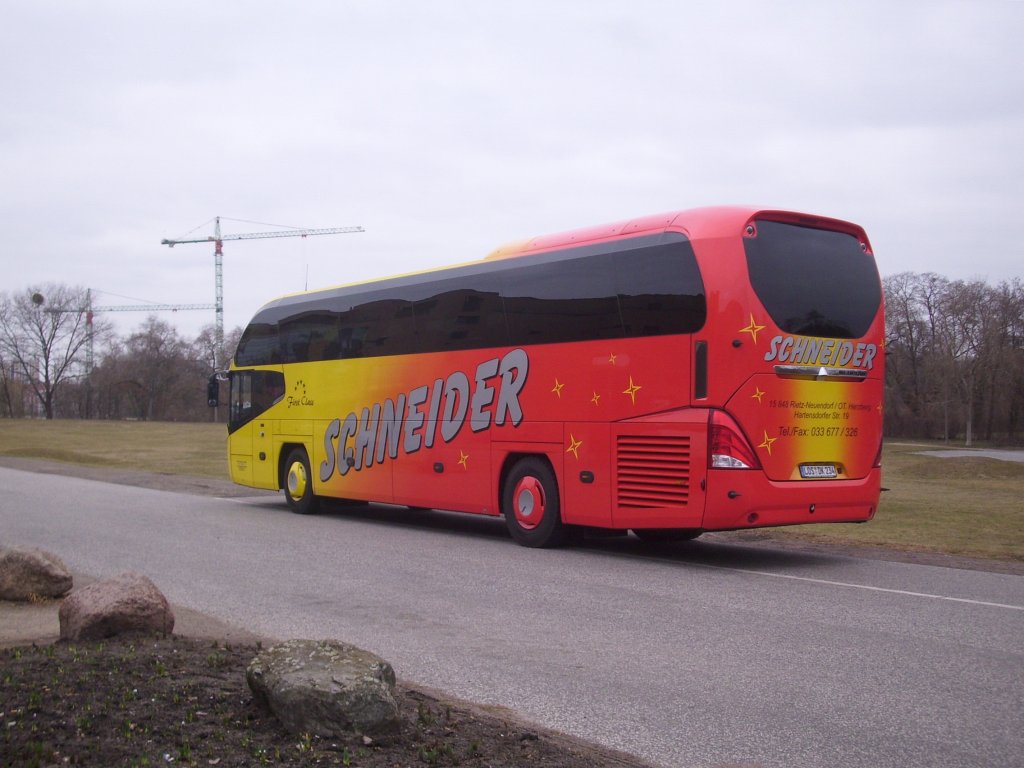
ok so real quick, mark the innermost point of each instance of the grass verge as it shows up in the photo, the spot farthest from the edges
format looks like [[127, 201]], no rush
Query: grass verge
[[172, 448], [969, 506]]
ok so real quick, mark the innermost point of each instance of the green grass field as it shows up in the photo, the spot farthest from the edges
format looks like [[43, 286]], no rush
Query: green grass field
[[965, 506]]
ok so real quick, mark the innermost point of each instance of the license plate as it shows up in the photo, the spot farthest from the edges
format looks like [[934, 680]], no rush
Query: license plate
[[818, 471]]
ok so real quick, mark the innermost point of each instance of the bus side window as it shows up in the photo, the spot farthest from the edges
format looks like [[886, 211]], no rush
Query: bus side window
[[252, 393], [241, 398]]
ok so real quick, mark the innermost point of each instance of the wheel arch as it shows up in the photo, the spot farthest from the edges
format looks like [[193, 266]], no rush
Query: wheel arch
[[512, 457], [283, 452]]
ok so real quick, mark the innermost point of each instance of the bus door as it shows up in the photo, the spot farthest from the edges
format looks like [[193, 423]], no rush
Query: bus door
[[250, 437], [264, 467]]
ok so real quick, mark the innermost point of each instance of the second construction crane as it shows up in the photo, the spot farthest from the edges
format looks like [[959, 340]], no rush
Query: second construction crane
[[218, 258]]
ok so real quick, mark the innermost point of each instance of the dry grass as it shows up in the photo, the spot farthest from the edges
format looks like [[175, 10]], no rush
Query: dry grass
[[965, 506], [171, 448]]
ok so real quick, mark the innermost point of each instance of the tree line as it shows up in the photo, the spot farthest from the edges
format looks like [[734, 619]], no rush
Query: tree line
[[58, 361], [954, 360]]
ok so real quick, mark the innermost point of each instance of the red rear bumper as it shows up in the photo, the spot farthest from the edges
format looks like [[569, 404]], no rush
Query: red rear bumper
[[747, 499]]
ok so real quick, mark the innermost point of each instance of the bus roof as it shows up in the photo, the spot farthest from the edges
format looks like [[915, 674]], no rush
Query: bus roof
[[694, 223]]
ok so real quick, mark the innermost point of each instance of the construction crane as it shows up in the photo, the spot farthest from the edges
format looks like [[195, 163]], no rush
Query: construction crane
[[218, 258], [128, 308], [90, 310]]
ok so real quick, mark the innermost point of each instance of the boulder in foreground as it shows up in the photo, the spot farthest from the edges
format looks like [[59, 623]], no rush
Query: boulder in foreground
[[326, 688], [126, 603], [27, 573]]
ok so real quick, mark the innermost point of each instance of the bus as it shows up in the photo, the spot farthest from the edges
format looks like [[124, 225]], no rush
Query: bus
[[703, 370]]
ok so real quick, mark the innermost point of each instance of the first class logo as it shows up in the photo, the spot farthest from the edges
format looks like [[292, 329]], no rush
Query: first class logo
[[299, 396]]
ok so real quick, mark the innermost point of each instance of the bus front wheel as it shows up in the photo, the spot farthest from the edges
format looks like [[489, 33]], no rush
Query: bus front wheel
[[298, 484], [531, 505]]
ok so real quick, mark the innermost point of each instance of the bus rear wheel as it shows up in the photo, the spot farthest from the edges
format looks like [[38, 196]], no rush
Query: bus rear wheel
[[298, 483], [531, 505]]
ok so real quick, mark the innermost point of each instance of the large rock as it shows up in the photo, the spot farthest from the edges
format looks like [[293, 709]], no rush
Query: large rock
[[326, 688], [126, 603], [28, 574]]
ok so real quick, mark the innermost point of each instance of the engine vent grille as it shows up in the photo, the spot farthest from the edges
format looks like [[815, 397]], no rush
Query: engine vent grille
[[652, 471]]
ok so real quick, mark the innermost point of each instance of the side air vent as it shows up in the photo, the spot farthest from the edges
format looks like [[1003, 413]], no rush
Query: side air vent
[[652, 471]]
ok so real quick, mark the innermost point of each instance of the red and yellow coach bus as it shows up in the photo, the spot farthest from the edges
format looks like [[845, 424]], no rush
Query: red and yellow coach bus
[[704, 370]]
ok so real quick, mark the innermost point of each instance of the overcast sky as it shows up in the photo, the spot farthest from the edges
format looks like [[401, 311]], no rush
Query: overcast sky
[[448, 128]]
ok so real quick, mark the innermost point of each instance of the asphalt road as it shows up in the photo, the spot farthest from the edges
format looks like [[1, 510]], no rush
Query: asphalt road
[[696, 655]]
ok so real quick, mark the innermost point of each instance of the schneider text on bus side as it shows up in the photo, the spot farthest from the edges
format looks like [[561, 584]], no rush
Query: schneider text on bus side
[[375, 433]]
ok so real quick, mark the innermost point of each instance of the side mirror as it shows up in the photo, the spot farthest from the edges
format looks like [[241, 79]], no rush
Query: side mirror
[[213, 391]]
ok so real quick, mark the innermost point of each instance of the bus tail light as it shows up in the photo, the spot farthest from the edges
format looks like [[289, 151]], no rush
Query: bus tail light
[[728, 448], [878, 456]]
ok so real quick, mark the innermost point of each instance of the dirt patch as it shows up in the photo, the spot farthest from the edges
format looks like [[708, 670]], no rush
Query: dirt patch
[[158, 701]]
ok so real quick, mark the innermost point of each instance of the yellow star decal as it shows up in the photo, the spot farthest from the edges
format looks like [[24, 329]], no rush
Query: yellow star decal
[[574, 446], [612, 357], [753, 328], [758, 394], [557, 389], [596, 399], [464, 459], [631, 390], [767, 443]]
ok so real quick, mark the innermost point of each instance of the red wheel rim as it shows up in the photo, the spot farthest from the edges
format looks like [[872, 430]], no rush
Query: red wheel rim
[[528, 501]]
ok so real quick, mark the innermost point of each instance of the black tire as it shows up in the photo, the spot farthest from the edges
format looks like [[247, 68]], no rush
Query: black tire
[[531, 505], [666, 535], [298, 483]]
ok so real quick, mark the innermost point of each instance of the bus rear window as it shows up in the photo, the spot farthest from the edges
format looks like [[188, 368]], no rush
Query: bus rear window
[[813, 282]]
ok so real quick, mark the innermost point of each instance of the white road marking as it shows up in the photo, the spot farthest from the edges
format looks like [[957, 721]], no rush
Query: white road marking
[[828, 582], [867, 587]]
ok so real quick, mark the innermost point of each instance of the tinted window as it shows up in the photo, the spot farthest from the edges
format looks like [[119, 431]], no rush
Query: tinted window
[[813, 282], [252, 393], [643, 287], [259, 345]]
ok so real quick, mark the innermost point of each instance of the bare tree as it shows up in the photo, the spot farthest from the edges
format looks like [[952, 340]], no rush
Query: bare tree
[[963, 323], [956, 353], [43, 333], [205, 347], [205, 351], [168, 382]]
